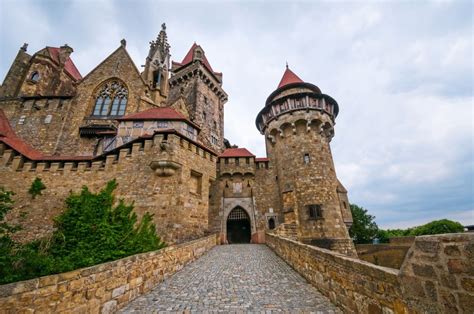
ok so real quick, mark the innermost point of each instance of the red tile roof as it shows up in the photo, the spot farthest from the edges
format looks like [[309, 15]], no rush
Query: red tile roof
[[236, 152], [69, 66], [159, 113], [261, 159], [288, 78], [189, 58]]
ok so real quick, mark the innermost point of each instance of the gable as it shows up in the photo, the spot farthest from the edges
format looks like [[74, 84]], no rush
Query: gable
[[180, 106], [118, 64]]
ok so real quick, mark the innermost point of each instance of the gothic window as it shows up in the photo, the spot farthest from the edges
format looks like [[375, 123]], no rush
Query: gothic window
[[35, 76], [111, 100]]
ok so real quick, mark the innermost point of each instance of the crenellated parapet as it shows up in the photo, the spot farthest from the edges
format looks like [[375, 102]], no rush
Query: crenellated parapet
[[300, 123]]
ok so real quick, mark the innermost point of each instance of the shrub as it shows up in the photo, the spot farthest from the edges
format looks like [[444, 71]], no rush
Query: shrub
[[36, 187], [91, 230]]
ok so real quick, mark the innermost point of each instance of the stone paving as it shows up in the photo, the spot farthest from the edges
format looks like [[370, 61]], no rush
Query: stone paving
[[234, 279]]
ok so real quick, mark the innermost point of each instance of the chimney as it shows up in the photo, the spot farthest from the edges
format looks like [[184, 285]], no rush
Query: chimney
[[64, 53]]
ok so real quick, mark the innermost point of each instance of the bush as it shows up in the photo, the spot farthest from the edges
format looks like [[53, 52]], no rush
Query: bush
[[36, 187], [90, 231]]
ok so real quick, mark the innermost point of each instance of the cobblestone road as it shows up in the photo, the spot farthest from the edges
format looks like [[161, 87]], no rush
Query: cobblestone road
[[234, 278]]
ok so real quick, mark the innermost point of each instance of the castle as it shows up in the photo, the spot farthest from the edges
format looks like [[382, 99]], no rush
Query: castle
[[160, 134]]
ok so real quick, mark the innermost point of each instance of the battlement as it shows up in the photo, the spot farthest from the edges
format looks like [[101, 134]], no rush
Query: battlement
[[20, 162]]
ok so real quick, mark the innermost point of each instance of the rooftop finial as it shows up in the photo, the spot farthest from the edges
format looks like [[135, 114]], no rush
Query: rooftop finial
[[24, 47], [163, 26], [287, 64], [123, 43]]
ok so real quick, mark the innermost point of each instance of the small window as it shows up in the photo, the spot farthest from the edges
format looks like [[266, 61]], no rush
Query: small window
[[314, 211], [204, 115], [162, 124], [247, 160], [306, 159], [111, 100], [48, 119], [35, 77], [138, 124], [60, 104], [237, 161], [215, 125], [226, 161], [22, 120], [345, 205]]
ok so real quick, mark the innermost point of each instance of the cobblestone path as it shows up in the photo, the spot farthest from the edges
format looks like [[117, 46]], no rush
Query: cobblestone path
[[234, 278]]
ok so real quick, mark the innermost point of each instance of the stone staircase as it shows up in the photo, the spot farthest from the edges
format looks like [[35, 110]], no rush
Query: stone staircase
[[287, 230]]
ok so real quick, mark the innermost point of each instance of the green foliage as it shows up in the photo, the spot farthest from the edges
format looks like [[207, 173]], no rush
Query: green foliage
[[90, 231], [434, 227], [363, 229], [6, 204], [36, 187]]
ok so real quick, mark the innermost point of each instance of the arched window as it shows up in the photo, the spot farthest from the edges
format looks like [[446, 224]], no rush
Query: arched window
[[35, 76], [111, 100]]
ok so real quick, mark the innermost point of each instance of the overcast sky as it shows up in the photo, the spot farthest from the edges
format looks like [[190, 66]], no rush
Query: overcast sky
[[402, 73]]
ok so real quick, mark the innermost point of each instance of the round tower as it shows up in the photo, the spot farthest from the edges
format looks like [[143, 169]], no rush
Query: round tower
[[298, 124]]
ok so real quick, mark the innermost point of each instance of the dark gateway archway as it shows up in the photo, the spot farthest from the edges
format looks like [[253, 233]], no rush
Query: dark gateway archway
[[238, 226]]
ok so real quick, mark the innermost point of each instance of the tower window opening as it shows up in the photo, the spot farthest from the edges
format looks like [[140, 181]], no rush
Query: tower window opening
[[345, 205], [237, 161], [315, 211], [306, 158], [247, 160], [35, 76]]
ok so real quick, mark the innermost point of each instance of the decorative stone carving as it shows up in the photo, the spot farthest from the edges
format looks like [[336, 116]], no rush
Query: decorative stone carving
[[164, 168]]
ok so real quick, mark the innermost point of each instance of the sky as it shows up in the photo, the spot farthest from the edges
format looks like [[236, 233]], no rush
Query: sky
[[401, 72]]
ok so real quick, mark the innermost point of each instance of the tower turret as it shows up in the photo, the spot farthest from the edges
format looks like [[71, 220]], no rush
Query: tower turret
[[156, 73], [298, 124]]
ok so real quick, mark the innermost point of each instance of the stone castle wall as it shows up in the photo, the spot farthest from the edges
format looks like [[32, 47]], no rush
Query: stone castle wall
[[437, 276], [176, 192], [102, 288]]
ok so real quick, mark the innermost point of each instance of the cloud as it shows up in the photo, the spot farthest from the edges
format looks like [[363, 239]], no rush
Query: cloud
[[402, 73]]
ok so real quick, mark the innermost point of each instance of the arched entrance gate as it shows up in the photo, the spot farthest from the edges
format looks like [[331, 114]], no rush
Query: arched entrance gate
[[238, 226]]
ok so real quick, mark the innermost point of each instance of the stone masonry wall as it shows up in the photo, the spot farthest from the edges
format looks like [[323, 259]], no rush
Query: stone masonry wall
[[436, 277], [103, 288], [180, 212], [306, 176]]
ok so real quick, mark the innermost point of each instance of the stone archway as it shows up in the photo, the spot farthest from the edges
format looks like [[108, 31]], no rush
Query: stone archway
[[238, 226]]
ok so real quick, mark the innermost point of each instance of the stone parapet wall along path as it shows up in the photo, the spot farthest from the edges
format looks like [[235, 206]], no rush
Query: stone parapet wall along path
[[437, 276], [102, 288]]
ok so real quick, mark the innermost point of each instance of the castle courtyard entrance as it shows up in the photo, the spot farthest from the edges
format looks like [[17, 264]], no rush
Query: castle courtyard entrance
[[238, 226]]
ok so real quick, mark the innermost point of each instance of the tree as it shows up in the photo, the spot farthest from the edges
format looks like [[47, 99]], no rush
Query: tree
[[438, 227], [363, 229]]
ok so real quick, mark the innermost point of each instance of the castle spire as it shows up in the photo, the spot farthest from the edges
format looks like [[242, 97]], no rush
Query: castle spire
[[157, 65], [289, 77]]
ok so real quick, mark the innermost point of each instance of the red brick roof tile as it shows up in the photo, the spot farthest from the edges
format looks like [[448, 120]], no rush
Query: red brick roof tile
[[69, 66], [236, 152], [261, 159], [288, 78]]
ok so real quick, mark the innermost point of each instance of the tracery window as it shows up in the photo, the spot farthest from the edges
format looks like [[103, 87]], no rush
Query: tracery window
[[111, 99]]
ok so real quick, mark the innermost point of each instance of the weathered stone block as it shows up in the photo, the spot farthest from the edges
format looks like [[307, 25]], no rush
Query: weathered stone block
[[109, 307], [427, 246], [424, 270], [468, 284], [119, 291]]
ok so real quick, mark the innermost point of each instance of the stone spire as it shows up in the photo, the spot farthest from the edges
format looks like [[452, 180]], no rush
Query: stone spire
[[156, 73]]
